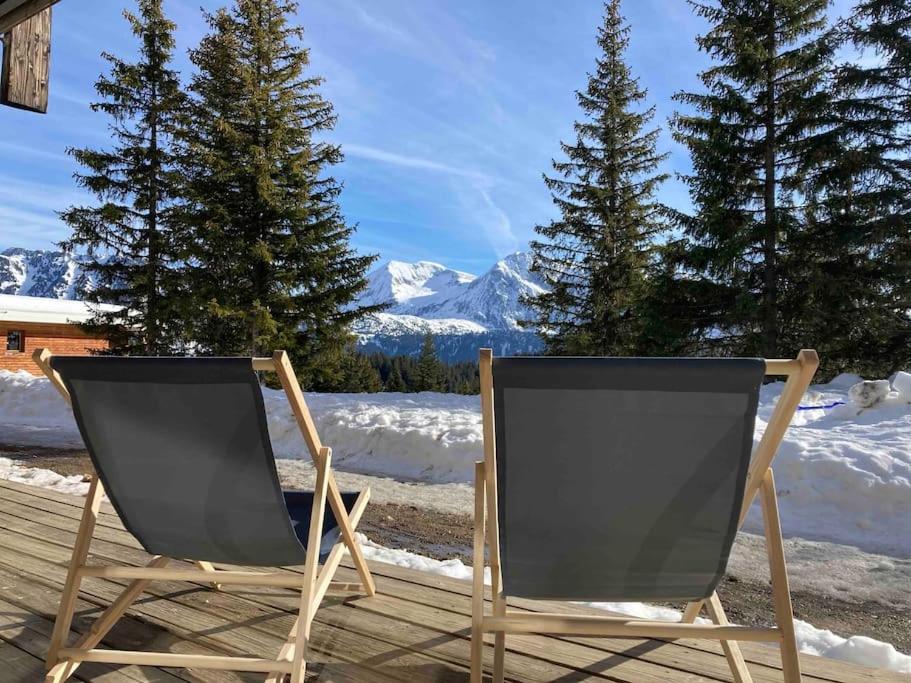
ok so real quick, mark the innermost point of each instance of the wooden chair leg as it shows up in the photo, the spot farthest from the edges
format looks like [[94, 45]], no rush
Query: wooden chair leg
[[692, 611], [77, 561], [781, 596], [304, 620], [477, 588], [104, 623], [347, 532], [731, 647], [499, 643], [208, 567]]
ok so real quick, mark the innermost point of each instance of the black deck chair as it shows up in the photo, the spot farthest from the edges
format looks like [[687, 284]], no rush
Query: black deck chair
[[181, 446], [626, 479]]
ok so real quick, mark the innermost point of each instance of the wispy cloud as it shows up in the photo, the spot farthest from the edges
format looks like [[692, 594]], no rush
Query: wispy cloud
[[382, 26], [26, 150], [484, 213], [405, 161], [46, 197]]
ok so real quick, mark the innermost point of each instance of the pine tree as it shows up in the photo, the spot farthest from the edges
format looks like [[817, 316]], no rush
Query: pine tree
[[395, 382], [358, 374], [272, 266], [130, 235], [429, 376], [595, 257], [860, 224], [754, 134]]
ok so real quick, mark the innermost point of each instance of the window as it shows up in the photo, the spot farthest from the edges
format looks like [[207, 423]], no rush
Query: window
[[15, 340]]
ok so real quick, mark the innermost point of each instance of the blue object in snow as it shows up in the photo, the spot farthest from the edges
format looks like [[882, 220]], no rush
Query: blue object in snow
[[825, 407]]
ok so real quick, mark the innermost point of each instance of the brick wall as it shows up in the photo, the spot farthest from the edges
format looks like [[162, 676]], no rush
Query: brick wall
[[65, 340]]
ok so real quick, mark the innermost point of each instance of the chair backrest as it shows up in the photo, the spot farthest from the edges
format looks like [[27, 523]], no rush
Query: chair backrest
[[620, 478], [182, 448]]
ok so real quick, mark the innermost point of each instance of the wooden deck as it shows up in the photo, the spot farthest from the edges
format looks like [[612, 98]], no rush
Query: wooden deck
[[415, 629]]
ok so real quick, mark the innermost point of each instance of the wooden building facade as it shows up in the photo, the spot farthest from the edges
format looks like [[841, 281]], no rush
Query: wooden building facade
[[28, 323]]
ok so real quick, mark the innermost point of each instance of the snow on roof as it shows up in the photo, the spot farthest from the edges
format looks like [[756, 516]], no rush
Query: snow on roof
[[37, 309]]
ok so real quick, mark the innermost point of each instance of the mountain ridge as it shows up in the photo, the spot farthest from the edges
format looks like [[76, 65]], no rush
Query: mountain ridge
[[462, 310]]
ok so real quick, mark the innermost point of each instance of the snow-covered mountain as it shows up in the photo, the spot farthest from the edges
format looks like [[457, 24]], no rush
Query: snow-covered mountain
[[433, 291], [464, 312], [397, 283], [34, 272]]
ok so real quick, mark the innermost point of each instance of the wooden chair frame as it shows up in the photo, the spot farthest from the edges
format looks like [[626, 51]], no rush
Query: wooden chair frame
[[62, 661], [799, 373]]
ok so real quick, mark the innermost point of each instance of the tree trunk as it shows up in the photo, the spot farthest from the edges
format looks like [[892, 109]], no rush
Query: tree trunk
[[153, 331], [769, 302]]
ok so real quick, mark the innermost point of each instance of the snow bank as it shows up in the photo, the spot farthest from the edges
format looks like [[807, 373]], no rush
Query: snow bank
[[856, 649], [810, 640], [843, 474], [32, 413], [427, 437]]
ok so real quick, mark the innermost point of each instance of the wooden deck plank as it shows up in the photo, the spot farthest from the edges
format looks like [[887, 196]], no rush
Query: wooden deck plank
[[18, 665], [415, 629]]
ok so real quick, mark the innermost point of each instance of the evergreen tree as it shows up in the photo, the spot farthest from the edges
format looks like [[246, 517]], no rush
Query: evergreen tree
[[272, 266], [754, 135], [859, 228], [130, 234], [395, 382], [595, 257], [429, 374], [358, 374]]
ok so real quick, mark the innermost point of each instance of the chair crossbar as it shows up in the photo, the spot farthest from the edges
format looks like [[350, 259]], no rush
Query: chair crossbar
[[593, 625], [275, 579], [175, 660]]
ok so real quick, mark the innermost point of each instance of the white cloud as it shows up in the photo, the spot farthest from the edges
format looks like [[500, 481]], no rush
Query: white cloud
[[406, 161]]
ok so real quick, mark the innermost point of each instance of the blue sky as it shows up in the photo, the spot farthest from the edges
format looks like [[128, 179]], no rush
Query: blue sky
[[448, 112]]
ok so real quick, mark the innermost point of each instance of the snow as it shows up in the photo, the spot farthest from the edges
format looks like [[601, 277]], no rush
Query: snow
[[397, 282], [902, 385], [41, 273], [397, 325], [856, 649], [844, 474], [46, 479], [35, 309], [427, 437], [431, 291]]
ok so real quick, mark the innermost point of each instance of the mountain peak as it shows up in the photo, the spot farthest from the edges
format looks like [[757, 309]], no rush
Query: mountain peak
[[432, 291], [41, 272], [398, 282]]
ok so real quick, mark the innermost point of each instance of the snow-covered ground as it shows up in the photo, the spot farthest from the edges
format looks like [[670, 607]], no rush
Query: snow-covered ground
[[843, 474]]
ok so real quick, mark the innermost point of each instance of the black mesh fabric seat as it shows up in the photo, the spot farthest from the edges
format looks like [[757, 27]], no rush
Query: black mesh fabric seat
[[182, 448], [300, 505], [620, 478]]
